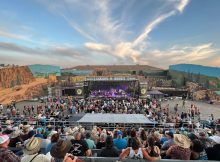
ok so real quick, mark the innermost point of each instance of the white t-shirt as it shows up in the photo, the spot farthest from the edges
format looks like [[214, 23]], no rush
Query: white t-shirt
[[139, 154]]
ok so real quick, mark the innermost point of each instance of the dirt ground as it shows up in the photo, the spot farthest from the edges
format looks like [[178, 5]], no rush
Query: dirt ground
[[205, 108]]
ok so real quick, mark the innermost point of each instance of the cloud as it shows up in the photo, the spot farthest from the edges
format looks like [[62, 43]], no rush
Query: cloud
[[154, 23], [78, 29], [98, 47], [60, 51], [181, 54], [150, 27], [133, 49], [181, 6], [14, 36]]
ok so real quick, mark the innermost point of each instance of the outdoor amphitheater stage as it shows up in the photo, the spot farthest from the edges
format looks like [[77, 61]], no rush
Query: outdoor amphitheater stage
[[113, 120]]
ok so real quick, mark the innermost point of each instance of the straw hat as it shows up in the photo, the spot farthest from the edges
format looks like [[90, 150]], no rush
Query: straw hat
[[182, 140], [15, 133], [26, 128], [60, 149], [32, 146]]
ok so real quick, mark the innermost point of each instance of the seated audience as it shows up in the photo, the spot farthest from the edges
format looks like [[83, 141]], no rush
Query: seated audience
[[5, 154], [136, 152], [109, 150], [213, 153], [152, 149], [119, 142], [32, 151], [181, 149], [60, 150], [79, 146]]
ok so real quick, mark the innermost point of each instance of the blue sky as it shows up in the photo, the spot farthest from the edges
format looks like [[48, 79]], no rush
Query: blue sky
[[79, 32]]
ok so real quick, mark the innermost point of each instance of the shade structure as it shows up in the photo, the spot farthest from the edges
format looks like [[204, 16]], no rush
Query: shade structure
[[115, 118], [155, 92]]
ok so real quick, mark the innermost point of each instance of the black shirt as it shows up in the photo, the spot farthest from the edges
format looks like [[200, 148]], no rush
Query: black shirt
[[100, 145], [213, 153], [79, 147], [109, 152]]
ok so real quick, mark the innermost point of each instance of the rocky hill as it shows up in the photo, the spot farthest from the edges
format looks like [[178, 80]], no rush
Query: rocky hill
[[14, 76], [24, 91]]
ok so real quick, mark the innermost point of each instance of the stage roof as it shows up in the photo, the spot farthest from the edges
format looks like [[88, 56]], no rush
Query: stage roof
[[115, 118]]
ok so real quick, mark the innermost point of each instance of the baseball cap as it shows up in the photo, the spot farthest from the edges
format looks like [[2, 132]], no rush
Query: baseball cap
[[169, 133], [3, 138], [119, 133]]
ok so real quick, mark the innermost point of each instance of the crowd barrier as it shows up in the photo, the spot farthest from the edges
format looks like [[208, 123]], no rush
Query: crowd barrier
[[96, 152], [110, 159]]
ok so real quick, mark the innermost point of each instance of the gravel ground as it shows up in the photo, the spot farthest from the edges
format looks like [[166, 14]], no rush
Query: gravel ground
[[205, 108]]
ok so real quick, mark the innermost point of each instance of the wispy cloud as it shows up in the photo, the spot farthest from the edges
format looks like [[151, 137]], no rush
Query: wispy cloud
[[181, 6], [134, 49], [10, 35], [181, 54], [78, 29], [61, 52]]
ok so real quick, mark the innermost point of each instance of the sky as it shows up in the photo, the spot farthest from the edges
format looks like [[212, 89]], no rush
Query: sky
[[109, 32]]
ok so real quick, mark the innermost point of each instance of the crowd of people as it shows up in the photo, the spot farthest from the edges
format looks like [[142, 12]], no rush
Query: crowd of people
[[27, 143], [63, 107]]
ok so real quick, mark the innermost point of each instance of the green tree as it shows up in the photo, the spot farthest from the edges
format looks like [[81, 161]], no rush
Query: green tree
[[173, 83], [133, 72], [141, 72], [198, 78], [12, 84], [18, 82], [207, 84], [184, 81]]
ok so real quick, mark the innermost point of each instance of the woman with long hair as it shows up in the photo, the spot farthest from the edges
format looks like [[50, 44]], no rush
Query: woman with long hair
[[152, 149], [136, 152]]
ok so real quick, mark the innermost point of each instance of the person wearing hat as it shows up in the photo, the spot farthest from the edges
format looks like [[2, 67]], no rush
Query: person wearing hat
[[213, 153], [15, 138], [203, 137], [170, 142], [181, 149], [6, 155], [60, 150], [26, 129], [119, 142], [32, 151], [39, 133], [8, 130]]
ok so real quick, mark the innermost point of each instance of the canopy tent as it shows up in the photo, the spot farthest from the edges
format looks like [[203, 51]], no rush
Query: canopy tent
[[115, 118], [155, 94]]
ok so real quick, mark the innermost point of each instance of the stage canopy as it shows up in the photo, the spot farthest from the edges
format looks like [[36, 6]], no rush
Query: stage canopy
[[115, 118]]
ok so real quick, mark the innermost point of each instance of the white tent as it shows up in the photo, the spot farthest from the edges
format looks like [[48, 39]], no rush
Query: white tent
[[115, 118]]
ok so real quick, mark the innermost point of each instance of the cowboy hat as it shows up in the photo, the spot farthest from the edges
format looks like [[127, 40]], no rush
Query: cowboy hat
[[15, 133], [32, 146], [60, 149], [182, 140]]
